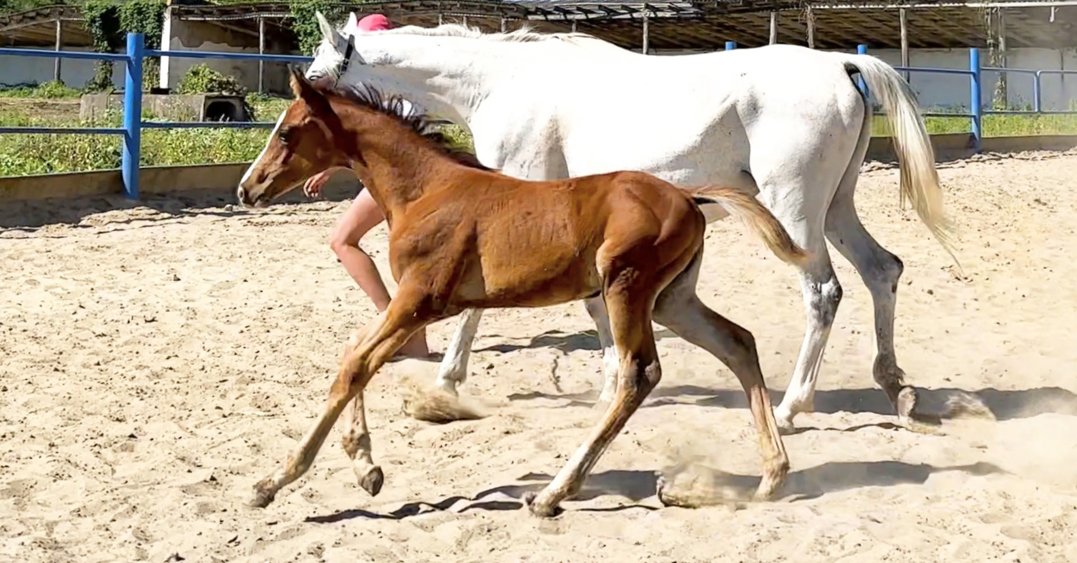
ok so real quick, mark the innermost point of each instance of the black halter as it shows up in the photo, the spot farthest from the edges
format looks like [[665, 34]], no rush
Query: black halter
[[348, 52]]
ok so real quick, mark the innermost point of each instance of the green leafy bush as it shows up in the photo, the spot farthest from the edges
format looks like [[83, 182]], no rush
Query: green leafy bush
[[201, 79]]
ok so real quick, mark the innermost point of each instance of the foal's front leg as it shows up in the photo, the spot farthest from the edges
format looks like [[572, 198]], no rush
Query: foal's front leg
[[356, 439], [390, 331], [357, 445]]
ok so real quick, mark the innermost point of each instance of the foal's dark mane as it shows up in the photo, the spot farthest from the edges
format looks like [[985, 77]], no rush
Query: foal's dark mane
[[393, 106]]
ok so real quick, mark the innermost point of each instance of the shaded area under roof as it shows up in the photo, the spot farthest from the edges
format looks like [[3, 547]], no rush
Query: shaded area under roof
[[702, 25]]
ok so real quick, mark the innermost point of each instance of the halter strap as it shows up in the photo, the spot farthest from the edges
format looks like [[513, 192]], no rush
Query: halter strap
[[348, 52]]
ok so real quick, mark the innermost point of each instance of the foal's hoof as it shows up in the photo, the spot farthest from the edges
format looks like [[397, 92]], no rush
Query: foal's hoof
[[263, 496], [372, 481], [542, 509]]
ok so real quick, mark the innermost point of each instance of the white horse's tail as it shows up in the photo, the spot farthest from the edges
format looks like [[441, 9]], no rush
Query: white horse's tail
[[916, 157]]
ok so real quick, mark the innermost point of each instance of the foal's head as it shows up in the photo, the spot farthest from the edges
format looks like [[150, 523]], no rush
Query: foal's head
[[308, 138], [326, 127]]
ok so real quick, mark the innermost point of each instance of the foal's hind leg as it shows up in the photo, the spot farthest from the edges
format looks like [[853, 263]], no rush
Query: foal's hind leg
[[679, 309], [390, 331]]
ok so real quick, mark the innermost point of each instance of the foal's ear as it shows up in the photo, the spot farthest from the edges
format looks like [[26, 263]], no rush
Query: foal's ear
[[304, 90], [298, 82]]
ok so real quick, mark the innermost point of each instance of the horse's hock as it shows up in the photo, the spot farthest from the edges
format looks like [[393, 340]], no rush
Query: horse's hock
[[173, 107]]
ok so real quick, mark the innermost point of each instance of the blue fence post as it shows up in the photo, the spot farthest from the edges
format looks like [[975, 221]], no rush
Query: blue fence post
[[132, 115], [862, 49], [730, 45], [975, 98]]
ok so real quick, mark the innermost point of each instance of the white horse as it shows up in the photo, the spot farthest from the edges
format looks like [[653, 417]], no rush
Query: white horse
[[784, 122]]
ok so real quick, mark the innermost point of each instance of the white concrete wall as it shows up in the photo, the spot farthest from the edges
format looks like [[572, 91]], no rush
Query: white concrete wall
[[181, 35], [952, 91], [75, 73]]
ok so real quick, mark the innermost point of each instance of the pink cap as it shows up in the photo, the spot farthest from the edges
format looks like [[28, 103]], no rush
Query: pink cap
[[374, 22]]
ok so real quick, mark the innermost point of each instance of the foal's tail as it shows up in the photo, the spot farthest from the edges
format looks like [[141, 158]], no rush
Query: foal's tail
[[916, 157], [757, 218]]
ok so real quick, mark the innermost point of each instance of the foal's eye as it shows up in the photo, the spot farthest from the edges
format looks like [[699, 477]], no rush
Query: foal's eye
[[284, 135]]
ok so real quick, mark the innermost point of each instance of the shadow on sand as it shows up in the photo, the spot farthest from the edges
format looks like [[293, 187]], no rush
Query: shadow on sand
[[641, 485], [34, 214], [558, 340], [1004, 404]]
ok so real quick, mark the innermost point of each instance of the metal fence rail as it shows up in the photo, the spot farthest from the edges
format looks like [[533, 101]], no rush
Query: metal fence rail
[[133, 124], [136, 54]]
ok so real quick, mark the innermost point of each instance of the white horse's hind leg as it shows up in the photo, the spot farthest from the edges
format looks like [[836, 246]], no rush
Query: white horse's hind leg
[[880, 271], [822, 295], [799, 197], [611, 362], [453, 369]]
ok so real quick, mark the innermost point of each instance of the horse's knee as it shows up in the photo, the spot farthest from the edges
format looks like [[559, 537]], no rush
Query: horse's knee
[[642, 376], [824, 299], [890, 269]]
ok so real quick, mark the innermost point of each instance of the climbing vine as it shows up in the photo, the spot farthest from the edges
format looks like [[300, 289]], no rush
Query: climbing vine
[[305, 23], [110, 22]]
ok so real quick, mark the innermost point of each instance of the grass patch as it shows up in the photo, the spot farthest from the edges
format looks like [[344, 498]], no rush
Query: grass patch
[[993, 125], [51, 90]]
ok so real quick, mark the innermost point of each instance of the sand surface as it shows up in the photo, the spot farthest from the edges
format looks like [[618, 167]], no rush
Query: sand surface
[[157, 360]]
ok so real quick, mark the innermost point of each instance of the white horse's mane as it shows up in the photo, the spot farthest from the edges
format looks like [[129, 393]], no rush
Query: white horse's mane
[[524, 34]]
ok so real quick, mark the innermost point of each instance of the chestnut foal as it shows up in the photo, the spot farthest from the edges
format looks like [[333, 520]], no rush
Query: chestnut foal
[[463, 236]]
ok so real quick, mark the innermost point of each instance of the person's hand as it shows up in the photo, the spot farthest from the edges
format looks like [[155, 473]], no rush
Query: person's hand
[[313, 185]]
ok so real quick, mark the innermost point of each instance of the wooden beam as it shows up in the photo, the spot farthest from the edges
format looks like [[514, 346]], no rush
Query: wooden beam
[[505, 25], [261, 51], [810, 23], [59, 47], [749, 35], [646, 32], [1000, 88], [903, 16], [774, 27]]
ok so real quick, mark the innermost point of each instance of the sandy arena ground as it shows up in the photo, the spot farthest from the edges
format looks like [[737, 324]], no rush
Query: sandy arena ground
[[157, 360]]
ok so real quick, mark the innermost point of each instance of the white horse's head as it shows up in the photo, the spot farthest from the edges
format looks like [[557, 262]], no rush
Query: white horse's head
[[394, 62]]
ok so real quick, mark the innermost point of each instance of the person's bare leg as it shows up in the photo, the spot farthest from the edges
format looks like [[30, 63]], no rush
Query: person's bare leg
[[360, 217]]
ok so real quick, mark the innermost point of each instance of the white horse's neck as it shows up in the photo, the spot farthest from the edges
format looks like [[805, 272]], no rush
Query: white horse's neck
[[448, 72], [445, 76]]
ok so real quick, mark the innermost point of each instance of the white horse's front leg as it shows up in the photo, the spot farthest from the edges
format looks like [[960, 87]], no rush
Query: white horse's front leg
[[611, 362], [453, 370]]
